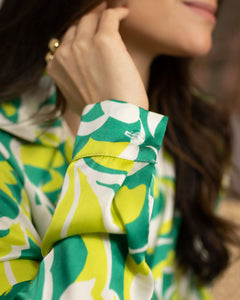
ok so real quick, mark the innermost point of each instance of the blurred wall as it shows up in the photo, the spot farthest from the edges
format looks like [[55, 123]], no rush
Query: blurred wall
[[219, 72], [219, 75]]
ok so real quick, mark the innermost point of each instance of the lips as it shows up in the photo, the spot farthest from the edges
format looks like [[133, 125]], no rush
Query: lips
[[202, 5]]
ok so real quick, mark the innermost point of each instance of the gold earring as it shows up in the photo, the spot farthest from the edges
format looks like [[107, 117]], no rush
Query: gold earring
[[53, 44], [48, 57]]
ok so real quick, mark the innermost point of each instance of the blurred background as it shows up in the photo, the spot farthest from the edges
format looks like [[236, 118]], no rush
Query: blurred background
[[219, 75], [219, 72]]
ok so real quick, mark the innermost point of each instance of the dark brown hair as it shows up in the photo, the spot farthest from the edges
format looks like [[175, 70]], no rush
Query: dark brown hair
[[198, 133]]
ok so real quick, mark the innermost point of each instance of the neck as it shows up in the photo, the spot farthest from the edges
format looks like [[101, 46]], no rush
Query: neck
[[72, 120], [142, 63], [139, 53]]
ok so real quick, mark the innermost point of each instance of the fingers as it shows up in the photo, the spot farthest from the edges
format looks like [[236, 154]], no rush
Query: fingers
[[80, 32], [67, 40], [110, 20], [100, 21], [70, 35], [88, 24]]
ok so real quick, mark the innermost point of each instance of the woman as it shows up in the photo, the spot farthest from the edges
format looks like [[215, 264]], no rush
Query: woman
[[114, 216]]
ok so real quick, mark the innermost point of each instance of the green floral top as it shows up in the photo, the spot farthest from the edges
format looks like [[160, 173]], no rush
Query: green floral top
[[90, 219]]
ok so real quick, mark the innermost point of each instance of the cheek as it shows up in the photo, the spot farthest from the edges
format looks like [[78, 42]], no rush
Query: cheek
[[192, 34], [168, 29], [172, 36]]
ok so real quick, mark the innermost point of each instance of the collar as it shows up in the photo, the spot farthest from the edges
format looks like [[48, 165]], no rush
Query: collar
[[25, 117]]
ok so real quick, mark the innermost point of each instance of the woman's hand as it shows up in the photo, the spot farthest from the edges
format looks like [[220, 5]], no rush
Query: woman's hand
[[92, 63]]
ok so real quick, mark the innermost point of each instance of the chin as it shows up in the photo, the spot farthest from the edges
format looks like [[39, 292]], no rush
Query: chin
[[189, 46], [195, 47], [201, 47]]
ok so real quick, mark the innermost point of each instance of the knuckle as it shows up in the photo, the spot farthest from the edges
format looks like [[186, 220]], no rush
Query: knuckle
[[80, 45], [61, 53], [102, 40]]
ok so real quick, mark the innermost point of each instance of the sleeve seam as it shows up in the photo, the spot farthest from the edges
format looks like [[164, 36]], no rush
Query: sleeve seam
[[112, 156]]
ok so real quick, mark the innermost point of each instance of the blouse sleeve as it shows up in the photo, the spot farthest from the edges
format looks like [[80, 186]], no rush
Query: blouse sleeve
[[96, 244]]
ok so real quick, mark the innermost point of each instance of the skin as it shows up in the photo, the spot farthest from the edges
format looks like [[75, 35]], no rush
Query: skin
[[168, 27], [116, 45]]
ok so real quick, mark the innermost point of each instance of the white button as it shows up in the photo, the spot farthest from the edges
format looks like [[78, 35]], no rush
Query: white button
[[137, 138]]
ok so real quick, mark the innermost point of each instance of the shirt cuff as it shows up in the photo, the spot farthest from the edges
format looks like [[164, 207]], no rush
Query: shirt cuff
[[120, 129]]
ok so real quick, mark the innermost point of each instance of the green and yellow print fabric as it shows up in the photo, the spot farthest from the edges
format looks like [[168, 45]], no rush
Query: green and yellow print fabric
[[99, 225]]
